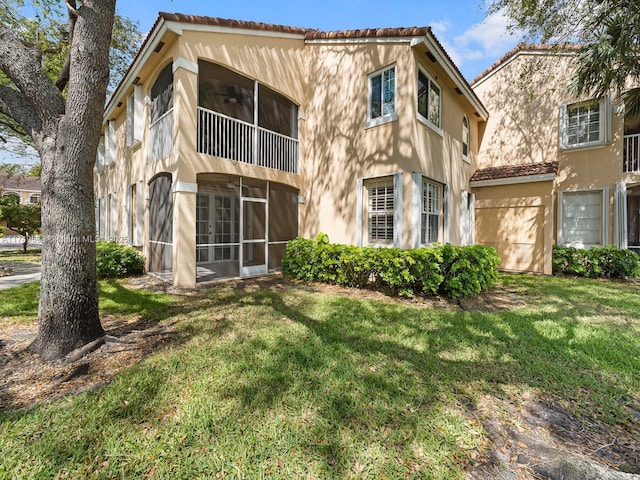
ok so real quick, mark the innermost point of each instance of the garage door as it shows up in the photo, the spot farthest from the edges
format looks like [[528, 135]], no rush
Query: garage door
[[516, 233]]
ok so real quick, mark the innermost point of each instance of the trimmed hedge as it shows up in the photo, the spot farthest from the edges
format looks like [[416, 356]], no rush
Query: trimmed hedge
[[447, 270], [114, 260], [597, 262]]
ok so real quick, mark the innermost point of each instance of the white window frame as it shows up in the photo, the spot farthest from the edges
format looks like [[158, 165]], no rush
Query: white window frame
[[386, 213], [425, 213], [604, 124], [109, 143], [466, 135], [383, 118], [431, 82], [604, 218]]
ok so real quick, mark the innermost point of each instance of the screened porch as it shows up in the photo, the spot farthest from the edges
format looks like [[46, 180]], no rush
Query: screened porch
[[242, 226]]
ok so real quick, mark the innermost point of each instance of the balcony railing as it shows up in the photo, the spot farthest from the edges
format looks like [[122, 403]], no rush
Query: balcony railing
[[161, 137], [226, 137], [631, 153]]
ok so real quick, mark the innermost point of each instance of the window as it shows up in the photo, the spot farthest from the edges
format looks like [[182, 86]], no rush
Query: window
[[35, 198], [100, 160], [429, 104], [582, 218], [380, 213], [431, 212], [161, 94], [465, 139], [585, 124], [382, 96]]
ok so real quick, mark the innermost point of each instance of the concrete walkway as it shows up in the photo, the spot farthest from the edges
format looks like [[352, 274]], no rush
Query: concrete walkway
[[23, 272]]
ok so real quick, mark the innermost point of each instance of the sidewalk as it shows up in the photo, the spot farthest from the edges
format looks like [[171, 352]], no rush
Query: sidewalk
[[23, 272]]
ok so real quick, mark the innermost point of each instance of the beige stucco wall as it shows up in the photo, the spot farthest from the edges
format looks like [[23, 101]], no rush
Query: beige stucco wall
[[524, 97], [342, 149]]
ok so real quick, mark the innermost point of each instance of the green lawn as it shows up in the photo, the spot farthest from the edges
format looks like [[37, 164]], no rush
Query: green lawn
[[285, 382], [31, 255]]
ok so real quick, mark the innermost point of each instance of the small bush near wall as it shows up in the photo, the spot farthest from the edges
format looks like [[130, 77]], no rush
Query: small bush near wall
[[597, 262], [114, 260], [448, 270]]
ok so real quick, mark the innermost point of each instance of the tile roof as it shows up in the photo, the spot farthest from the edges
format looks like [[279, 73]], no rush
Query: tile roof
[[511, 171], [19, 182]]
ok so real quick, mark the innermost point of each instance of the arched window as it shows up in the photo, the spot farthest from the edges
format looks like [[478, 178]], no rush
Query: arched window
[[465, 137], [162, 94]]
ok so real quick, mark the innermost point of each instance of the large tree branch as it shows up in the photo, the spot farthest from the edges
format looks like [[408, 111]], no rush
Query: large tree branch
[[23, 67], [14, 104], [63, 77]]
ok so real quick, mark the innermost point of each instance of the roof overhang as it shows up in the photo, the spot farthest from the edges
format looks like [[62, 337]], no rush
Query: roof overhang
[[434, 47], [544, 177]]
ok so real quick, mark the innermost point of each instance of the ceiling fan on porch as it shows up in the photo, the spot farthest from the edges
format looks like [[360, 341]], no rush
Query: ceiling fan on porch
[[234, 97]]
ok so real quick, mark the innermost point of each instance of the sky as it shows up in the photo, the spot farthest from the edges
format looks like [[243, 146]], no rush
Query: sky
[[472, 40]]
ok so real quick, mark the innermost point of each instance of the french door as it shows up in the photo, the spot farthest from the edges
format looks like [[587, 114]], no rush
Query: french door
[[217, 228]]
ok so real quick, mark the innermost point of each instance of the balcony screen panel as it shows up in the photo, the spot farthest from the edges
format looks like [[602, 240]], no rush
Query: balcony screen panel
[[225, 91], [162, 94], [277, 113]]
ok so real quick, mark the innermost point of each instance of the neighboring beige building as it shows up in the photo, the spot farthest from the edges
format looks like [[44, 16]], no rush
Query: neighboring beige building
[[226, 139], [25, 187], [552, 168]]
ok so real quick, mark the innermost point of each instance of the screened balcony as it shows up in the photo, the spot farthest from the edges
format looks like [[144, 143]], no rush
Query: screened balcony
[[631, 146], [242, 120]]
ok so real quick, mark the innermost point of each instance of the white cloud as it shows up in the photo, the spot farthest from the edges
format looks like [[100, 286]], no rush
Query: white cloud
[[479, 45]]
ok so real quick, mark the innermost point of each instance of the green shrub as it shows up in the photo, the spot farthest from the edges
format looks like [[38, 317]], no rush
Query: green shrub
[[597, 262], [451, 271], [114, 260]]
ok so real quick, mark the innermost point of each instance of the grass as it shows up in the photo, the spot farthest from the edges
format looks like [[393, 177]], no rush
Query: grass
[[287, 383], [31, 255]]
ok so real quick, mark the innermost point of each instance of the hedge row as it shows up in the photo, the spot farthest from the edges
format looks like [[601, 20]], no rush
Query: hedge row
[[446, 270], [597, 262], [114, 260]]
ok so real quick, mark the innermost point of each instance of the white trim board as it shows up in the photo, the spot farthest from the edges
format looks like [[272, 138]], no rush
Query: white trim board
[[543, 177]]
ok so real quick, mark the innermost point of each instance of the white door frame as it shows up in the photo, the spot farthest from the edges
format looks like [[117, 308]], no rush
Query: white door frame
[[254, 269]]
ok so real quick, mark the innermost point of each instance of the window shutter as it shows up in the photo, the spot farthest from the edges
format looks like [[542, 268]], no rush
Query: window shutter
[[110, 143], [464, 209], [130, 120], [138, 109], [97, 217], [560, 238], [620, 234], [359, 224], [563, 126], [472, 218], [447, 214], [100, 155], [604, 224], [137, 239], [397, 210], [416, 206], [129, 217]]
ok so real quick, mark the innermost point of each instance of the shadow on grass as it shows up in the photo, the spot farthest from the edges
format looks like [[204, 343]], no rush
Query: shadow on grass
[[367, 371]]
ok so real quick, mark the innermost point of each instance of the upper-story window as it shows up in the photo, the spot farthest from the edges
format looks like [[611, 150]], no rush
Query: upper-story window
[[161, 94], [382, 97], [584, 124], [465, 139], [429, 101]]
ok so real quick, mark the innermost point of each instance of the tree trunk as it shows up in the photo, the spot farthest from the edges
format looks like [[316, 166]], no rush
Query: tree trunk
[[68, 313], [25, 244]]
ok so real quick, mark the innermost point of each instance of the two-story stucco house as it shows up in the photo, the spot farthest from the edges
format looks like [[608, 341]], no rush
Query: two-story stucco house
[[226, 139], [552, 168]]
